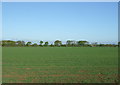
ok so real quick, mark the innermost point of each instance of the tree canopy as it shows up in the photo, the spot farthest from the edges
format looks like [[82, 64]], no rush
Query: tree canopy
[[57, 43]]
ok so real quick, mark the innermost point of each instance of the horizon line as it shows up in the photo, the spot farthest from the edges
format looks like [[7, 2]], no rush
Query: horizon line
[[64, 41]]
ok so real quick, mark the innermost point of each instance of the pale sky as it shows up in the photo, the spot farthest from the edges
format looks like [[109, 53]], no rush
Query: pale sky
[[48, 21]]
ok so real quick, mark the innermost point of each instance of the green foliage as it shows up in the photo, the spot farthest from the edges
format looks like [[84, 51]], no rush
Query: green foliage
[[41, 42], [28, 43], [35, 44], [8, 43], [70, 43], [57, 43], [60, 65], [20, 43], [46, 43], [82, 43]]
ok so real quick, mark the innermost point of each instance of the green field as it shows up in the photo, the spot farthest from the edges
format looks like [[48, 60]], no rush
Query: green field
[[60, 64]]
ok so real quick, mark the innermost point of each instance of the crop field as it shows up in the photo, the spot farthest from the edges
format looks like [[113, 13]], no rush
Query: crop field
[[60, 64]]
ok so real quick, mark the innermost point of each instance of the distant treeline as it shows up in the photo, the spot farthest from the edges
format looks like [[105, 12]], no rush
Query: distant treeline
[[57, 43]]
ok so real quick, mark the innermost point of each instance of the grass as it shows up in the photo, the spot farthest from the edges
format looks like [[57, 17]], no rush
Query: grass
[[60, 64]]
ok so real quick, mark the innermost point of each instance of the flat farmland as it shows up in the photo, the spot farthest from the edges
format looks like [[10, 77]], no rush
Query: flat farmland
[[60, 64]]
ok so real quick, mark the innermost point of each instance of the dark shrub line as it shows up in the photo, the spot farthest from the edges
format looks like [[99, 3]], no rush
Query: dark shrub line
[[57, 43]]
